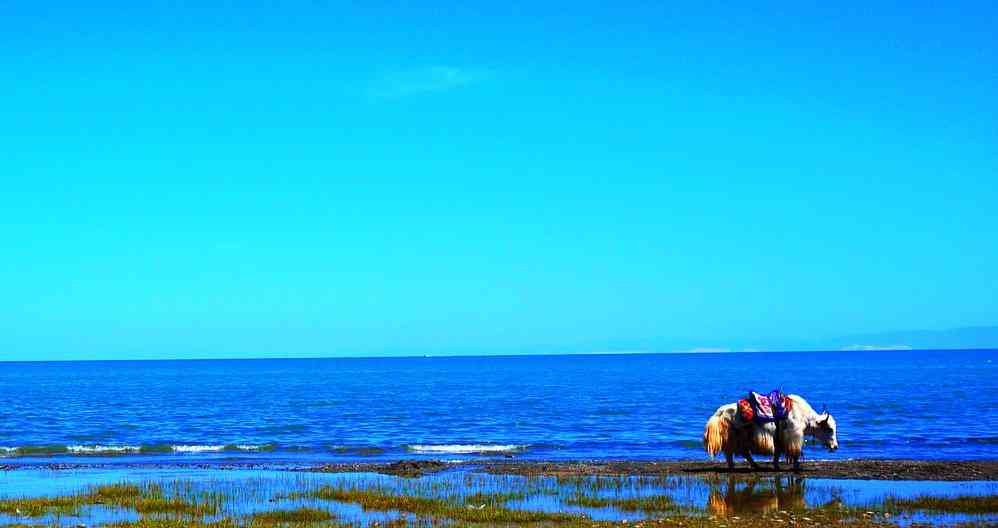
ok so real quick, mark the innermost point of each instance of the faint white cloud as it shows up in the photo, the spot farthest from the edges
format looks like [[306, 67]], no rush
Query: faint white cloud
[[424, 80], [868, 348], [705, 350]]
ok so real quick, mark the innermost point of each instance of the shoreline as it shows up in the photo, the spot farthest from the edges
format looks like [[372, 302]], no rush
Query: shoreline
[[859, 469], [866, 469]]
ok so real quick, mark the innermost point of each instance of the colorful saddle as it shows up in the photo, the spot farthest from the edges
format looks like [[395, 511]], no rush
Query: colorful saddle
[[765, 409]]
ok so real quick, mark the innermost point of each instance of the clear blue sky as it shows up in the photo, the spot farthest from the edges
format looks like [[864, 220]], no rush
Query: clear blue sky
[[318, 178]]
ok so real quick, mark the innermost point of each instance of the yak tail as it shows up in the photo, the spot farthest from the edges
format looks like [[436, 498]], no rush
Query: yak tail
[[715, 434]]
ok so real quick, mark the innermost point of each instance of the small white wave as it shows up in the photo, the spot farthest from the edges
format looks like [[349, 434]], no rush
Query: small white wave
[[251, 447], [466, 448], [98, 449], [198, 448], [219, 448], [7, 451]]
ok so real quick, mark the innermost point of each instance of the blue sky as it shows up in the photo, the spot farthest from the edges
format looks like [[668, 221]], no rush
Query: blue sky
[[316, 178]]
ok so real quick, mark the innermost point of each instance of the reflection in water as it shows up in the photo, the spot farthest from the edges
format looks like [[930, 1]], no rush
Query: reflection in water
[[757, 495]]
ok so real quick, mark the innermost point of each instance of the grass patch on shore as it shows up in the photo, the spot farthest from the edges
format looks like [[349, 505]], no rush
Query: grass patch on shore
[[494, 499], [37, 507], [455, 509], [962, 504], [301, 518], [144, 499], [152, 499], [297, 516], [648, 505], [159, 522]]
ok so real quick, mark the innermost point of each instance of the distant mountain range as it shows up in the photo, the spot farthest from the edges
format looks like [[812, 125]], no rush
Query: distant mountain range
[[955, 338]]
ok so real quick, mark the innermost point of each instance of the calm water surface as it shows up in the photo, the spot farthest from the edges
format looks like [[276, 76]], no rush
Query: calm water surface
[[912, 404]]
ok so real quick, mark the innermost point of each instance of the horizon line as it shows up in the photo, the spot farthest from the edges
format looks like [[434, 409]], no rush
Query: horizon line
[[508, 355]]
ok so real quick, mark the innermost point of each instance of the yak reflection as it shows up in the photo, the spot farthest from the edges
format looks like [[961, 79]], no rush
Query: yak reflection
[[757, 496]]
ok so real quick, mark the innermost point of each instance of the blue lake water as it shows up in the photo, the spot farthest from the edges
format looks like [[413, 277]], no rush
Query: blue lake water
[[906, 404]]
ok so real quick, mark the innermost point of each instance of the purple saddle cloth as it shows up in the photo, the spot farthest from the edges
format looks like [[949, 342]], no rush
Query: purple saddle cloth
[[769, 408]]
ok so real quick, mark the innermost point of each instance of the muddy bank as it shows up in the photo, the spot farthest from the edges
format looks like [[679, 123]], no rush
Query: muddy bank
[[75, 466], [936, 470], [402, 468], [842, 469]]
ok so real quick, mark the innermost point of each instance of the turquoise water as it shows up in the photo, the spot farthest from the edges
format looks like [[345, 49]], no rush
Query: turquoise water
[[910, 404]]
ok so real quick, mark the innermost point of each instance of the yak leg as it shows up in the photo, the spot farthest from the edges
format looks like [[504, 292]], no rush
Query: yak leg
[[730, 457], [796, 461], [746, 446], [743, 444], [777, 444]]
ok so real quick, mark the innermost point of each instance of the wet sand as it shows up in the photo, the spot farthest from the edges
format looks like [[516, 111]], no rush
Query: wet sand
[[844, 469], [928, 470], [847, 469]]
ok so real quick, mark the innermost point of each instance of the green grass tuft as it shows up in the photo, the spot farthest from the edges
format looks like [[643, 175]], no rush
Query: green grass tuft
[[123, 491], [455, 510], [146, 499], [37, 507], [494, 499], [648, 504], [298, 516], [962, 504]]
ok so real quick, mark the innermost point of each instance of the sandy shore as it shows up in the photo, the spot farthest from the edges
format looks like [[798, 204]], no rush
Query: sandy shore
[[929, 470], [846, 469]]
